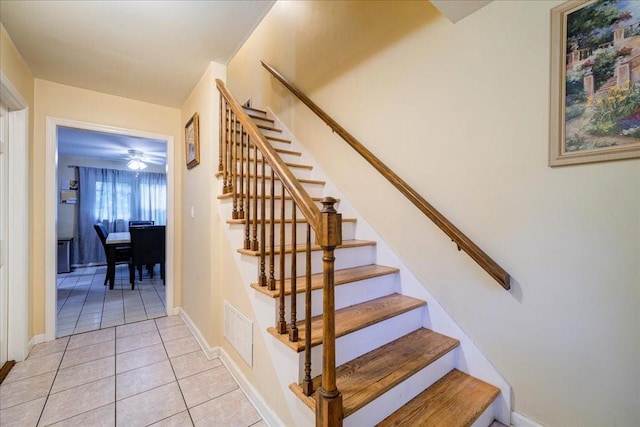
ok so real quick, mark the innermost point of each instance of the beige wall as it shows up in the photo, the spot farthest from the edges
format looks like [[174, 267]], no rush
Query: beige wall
[[460, 111], [201, 293], [71, 103], [16, 70], [210, 273]]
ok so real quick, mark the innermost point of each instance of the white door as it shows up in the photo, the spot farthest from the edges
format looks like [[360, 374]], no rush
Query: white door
[[4, 309]]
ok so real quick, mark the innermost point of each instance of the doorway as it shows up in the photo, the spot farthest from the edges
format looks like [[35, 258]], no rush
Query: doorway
[[53, 199]]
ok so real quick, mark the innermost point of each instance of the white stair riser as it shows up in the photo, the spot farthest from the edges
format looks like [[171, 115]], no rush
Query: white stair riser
[[227, 208], [392, 400], [345, 258], [355, 344], [345, 295], [486, 418], [298, 171], [348, 232], [314, 190]]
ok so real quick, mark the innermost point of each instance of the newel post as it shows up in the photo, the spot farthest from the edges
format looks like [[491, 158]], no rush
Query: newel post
[[329, 400]]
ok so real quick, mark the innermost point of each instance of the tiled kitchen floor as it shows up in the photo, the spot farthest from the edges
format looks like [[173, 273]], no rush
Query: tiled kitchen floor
[[85, 304], [152, 372]]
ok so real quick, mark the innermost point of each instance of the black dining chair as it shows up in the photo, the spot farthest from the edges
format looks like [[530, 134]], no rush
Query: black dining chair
[[121, 253], [139, 223], [147, 248]]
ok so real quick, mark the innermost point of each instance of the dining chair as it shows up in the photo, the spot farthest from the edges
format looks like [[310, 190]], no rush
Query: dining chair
[[147, 248], [121, 253], [138, 223]]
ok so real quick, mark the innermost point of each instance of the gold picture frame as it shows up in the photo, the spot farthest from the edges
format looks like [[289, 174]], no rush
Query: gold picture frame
[[595, 82], [192, 141]]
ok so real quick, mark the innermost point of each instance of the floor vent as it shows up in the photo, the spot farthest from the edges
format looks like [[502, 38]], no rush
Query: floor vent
[[238, 329]]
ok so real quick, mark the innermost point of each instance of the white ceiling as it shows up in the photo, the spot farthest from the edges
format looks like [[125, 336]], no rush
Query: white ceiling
[[153, 51]]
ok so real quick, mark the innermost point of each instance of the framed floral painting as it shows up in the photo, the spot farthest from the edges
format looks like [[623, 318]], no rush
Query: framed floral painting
[[192, 141], [595, 81]]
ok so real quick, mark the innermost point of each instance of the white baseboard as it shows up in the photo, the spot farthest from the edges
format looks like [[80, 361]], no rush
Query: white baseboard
[[210, 352], [267, 414], [518, 420]]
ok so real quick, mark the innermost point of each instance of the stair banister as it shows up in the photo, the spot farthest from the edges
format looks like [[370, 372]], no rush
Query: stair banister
[[457, 236], [298, 193], [327, 224]]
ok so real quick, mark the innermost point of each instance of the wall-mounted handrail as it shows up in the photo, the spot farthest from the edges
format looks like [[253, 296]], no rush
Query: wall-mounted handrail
[[461, 240], [302, 199]]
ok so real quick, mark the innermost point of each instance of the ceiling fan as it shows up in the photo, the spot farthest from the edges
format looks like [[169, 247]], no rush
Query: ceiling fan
[[137, 160]]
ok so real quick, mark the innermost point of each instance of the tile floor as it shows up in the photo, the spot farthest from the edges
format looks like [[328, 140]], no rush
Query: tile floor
[[85, 304], [151, 372]]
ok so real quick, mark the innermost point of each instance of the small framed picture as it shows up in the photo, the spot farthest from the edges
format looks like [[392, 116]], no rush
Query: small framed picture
[[192, 141], [595, 82]]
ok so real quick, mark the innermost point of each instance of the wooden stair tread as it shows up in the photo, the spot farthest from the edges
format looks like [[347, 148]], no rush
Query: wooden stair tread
[[276, 138], [268, 177], [257, 110], [271, 128], [455, 400], [287, 221], [291, 165], [278, 150], [301, 247], [353, 318], [347, 275], [257, 117], [367, 377]]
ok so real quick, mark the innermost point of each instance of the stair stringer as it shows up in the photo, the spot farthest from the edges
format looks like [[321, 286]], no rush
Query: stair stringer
[[470, 358]]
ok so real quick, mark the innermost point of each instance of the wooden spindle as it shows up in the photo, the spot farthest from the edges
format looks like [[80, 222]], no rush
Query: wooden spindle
[[293, 331], [220, 138], [234, 165], [241, 177], [262, 278], [254, 243], [272, 234], [247, 216], [227, 139], [307, 383], [282, 323]]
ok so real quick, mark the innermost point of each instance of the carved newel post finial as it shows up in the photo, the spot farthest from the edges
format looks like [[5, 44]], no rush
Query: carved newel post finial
[[327, 205]]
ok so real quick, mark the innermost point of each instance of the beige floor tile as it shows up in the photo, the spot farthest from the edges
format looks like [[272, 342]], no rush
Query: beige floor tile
[[139, 358], [150, 407], [88, 353], [47, 348], [26, 390], [260, 423], [178, 420], [182, 346], [135, 342], [143, 379], [174, 332], [206, 385], [25, 414], [193, 363], [104, 416], [78, 400], [90, 338], [232, 409], [84, 373], [135, 328], [169, 321], [34, 367]]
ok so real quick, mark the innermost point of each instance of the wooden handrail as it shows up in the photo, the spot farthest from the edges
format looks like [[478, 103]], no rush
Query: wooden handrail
[[301, 198], [462, 241]]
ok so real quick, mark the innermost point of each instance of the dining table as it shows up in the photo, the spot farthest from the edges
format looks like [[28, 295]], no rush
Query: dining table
[[113, 241]]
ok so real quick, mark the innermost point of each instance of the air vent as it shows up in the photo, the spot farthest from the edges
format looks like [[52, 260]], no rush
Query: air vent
[[238, 330]]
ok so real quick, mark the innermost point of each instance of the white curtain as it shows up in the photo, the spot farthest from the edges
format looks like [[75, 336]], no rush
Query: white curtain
[[115, 197]]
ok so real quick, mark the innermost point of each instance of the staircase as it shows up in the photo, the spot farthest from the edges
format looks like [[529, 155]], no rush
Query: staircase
[[390, 370]]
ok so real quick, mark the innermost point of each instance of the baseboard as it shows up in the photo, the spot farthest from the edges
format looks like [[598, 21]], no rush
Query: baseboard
[[518, 420], [210, 352], [267, 414]]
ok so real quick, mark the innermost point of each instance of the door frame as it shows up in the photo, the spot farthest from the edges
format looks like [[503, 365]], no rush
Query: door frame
[[51, 200], [17, 259]]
